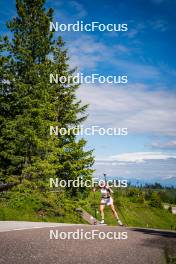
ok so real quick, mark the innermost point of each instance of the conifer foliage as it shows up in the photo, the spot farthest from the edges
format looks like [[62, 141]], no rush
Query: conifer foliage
[[30, 104]]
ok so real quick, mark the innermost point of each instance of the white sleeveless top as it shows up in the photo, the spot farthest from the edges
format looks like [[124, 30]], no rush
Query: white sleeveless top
[[105, 193]]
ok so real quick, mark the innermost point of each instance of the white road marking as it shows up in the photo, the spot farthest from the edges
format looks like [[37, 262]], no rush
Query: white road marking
[[7, 226]]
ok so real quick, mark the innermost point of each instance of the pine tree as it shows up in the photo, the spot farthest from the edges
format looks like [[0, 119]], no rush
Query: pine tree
[[155, 200], [30, 104]]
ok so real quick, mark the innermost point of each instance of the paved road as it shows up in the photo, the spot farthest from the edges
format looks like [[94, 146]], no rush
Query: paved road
[[35, 246], [22, 225]]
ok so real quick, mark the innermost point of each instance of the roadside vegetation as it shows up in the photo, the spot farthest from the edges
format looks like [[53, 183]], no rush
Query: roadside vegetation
[[138, 207]]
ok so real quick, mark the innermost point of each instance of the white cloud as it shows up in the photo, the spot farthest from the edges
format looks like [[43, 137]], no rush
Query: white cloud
[[135, 29], [81, 12], [170, 144], [87, 53], [121, 48], [159, 25], [145, 166], [135, 106], [140, 156], [133, 32]]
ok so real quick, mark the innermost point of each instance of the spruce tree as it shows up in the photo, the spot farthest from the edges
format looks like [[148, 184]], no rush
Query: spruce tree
[[30, 104]]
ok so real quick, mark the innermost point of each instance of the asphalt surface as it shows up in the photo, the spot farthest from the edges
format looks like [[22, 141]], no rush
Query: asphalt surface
[[22, 225], [36, 246]]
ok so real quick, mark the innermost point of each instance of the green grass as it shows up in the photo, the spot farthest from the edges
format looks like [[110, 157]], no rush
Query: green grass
[[38, 207], [134, 214], [50, 207], [11, 214]]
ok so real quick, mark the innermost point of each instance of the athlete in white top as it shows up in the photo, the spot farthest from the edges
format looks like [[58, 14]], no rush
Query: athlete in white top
[[106, 199]]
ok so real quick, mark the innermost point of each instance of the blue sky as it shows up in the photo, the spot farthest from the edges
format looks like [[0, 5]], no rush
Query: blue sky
[[147, 104]]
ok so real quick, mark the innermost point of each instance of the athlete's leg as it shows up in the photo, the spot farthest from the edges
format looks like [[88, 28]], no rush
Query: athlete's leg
[[115, 214], [114, 211], [102, 206]]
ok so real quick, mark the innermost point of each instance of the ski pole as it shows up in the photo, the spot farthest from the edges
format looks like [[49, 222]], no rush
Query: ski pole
[[95, 210], [104, 174]]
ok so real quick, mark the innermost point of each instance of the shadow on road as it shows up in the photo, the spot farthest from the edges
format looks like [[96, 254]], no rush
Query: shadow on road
[[155, 232], [165, 240]]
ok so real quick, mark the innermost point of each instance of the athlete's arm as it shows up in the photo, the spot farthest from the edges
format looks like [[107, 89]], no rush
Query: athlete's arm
[[108, 188]]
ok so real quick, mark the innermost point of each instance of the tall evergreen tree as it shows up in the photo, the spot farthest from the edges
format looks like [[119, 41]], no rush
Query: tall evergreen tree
[[29, 104]]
